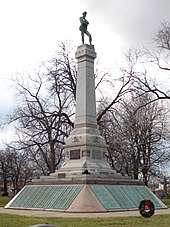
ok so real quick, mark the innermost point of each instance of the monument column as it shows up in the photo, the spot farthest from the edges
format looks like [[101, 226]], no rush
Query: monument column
[[85, 90], [85, 148]]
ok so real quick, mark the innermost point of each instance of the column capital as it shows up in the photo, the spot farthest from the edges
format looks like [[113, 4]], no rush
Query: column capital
[[85, 51]]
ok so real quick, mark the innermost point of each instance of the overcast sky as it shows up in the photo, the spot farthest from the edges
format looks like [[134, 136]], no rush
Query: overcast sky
[[30, 31]]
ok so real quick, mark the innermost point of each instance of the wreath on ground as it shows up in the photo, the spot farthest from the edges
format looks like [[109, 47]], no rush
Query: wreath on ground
[[146, 208]]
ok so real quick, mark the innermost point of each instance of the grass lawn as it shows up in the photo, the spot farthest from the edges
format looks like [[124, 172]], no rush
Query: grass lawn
[[8, 220], [4, 201], [167, 202]]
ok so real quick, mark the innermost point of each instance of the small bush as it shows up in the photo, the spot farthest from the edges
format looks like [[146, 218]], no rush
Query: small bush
[[4, 193]]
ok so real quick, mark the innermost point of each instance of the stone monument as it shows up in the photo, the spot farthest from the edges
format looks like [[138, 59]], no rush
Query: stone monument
[[85, 148], [85, 182]]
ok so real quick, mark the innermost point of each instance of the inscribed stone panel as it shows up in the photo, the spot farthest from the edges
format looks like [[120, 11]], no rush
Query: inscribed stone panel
[[74, 154], [85, 153], [96, 154]]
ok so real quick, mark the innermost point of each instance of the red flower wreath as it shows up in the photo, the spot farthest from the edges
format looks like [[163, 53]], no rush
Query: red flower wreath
[[146, 208]]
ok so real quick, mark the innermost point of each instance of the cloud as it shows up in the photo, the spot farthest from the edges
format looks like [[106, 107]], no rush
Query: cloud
[[134, 20]]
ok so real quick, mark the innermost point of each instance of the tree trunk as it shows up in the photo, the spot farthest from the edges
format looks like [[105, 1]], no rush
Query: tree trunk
[[5, 185]]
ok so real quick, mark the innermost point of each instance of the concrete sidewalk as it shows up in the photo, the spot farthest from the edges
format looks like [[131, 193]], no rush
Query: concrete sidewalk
[[38, 213]]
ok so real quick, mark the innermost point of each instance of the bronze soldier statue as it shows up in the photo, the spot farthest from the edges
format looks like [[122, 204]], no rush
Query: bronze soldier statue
[[83, 28]]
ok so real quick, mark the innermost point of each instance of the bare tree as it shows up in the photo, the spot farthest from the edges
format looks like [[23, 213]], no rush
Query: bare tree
[[41, 125], [15, 168], [21, 169], [5, 168], [145, 64], [137, 137], [43, 116]]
